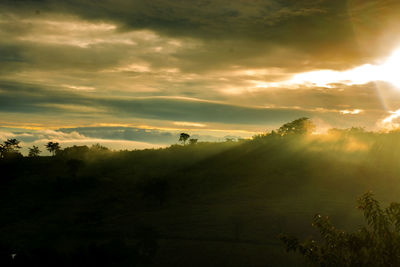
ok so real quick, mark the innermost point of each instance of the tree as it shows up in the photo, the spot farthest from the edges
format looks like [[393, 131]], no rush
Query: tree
[[300, 126], [12, 144], [99, 148], [183, 137], [74, 152], [53, 147], [3, 150], [9, 148], [193, 141], [377, 244], [34, 151]]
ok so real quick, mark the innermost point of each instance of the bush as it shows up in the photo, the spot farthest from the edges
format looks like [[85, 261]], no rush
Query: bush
[[377, 244]]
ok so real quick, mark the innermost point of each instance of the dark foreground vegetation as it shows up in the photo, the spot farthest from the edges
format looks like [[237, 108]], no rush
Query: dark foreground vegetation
[[376, 244], [198, 204]]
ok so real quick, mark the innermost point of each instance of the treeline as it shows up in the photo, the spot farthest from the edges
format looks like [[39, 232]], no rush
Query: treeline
[[10, 148]]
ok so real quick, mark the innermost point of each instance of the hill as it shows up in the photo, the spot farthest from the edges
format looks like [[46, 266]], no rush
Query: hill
[[206, 204]]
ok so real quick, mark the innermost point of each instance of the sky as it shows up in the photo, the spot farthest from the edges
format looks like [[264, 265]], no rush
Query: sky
[[134, 74]]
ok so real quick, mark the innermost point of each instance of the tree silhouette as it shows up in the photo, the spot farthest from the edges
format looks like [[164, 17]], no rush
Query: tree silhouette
[[53, 147], [300, 126], [34, 151], [11, 146], [99, 148], [183, 137], [377, 244], [193, 141], [3, 150]]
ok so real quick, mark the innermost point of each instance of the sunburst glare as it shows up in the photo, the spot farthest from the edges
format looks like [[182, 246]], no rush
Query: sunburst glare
[[388, 72]]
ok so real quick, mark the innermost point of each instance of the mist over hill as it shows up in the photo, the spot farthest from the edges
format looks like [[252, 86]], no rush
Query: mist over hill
[[200, 204]]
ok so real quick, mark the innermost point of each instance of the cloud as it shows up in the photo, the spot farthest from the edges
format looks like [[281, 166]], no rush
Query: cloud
[[391, 122], [192, 124], [125, 133], [191, 63], [322, 103], [20, 99], [235, 29]]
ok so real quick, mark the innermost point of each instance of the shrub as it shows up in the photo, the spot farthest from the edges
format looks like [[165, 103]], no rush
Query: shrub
[[376, 244]]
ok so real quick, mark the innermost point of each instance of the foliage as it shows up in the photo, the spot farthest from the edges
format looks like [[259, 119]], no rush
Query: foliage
[[183, 137], [75, 152], [97, 148], [193, 141], [3, 150], [300, 126], [377, 244], [53, 147], [10, 149], [34, 151], [12, 144]]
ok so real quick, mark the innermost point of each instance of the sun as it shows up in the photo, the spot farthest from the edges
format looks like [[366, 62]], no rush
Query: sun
[[388, 71]]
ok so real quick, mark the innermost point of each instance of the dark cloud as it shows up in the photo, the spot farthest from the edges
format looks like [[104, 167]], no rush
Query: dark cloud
[[199, 111], [21, 98], [27, 98], [184, 17], [332, 32]]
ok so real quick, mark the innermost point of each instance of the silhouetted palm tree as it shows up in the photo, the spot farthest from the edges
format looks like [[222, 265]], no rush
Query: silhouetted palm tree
[[53, 147]]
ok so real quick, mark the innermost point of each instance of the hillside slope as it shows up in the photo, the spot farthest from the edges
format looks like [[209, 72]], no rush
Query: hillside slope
[[215, 204]]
